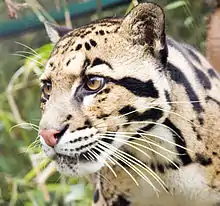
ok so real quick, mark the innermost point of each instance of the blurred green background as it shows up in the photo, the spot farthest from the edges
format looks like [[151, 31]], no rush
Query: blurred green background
[[25, 177]]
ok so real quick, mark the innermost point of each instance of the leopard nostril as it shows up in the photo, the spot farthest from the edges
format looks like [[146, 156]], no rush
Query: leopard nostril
[[60, 134], [52, 136], [49, 136]]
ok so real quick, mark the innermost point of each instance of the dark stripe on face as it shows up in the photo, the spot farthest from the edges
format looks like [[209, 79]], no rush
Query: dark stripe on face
[[193, 54], [208, 98], [137, 87], [179, 77], [147, 128], [167, 95], [204, 80], [179, 140], [151, 114], [98, 61], [121, 201], [212, 73]]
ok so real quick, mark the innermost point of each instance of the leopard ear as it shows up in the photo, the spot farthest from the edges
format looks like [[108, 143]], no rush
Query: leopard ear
[[55, 32], [145, 25]]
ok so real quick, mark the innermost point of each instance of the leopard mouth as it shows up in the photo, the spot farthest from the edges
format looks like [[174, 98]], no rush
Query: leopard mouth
[[83, 157]]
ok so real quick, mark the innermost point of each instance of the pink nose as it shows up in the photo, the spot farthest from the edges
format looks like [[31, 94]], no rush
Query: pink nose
[[49, 136]]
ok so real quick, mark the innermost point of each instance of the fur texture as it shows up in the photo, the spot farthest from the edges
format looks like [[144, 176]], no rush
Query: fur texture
[[152, 128]]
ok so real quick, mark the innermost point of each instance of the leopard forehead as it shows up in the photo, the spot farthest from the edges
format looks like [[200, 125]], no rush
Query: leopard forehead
[[100, 39]]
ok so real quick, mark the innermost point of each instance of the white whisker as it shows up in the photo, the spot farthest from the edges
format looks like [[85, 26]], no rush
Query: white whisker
[[131, 144], [134, 168], [137, 162], [27, 47], [34, 60]]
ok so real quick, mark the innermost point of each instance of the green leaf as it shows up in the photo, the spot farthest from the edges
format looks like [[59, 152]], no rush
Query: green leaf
[[175, 5]]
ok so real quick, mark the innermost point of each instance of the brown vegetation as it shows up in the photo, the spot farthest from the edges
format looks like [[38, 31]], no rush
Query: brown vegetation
[[213, 38]]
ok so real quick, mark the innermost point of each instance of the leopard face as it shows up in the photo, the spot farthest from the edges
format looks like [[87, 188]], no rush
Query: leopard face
[[102, 84]]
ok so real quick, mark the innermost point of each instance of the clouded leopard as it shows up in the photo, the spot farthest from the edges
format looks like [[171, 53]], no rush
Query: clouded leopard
[[135, 110]]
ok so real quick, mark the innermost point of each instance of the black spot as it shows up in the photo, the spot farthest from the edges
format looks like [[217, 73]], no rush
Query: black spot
[[160, 168], [87, 46], [204, 80], [212, 73], [107, 90], [203, 160], [98, 61], [197, 134], [88, 124], [153, 114], [51, 64], [137, 87], [78, 47], [121, 201], [201, 120], [87, 32], [168, 99], [85, 146], [180, 78], [179, 140], [96, 32], [101, 32], [116, 30], [214, 153], [68, 62], [69, 117], [96, 196], [86, 63], [93, 43], [152, 166]]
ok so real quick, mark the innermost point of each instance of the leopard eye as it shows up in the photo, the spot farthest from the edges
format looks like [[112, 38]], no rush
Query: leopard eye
[[46, 89], [94, 83]]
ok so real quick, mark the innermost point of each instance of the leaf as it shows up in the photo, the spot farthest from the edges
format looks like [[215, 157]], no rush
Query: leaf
[[175, 5]]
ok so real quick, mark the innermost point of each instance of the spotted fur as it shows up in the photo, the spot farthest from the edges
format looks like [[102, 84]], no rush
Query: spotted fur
[[150, 135]]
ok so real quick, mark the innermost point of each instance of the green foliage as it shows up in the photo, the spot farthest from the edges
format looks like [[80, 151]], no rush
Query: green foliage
[[21, 167], [21, 182]]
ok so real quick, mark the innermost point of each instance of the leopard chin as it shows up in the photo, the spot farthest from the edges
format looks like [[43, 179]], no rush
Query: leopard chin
[[76, 165]]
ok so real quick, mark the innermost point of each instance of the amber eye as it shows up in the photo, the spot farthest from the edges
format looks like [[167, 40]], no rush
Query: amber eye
[[47, 89], [94, 83]]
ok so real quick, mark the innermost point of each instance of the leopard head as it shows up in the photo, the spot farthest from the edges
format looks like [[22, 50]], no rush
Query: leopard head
[[102, 85]]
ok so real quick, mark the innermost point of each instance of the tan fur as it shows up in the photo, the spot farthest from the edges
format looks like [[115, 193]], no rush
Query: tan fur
[[121, 45]]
